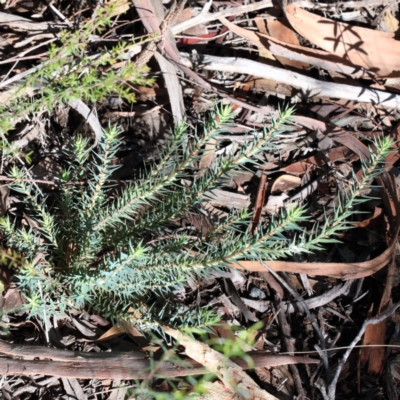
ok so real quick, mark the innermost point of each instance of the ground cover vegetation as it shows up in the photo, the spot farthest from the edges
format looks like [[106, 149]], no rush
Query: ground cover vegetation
[[88, 251], [89, 246]]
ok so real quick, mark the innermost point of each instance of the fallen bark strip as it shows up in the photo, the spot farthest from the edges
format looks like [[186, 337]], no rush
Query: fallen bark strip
[[205, 16], [317, 58], [151, 14], [118, 365], [309, 87]]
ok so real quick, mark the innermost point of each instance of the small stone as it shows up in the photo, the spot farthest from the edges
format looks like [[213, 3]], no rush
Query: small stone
[[256, 293]]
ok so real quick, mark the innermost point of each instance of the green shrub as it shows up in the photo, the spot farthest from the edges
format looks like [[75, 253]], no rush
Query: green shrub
[[76, 69], [119, 257]]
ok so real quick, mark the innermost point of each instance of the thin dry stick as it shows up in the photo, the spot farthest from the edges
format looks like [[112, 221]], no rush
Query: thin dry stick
[[331, 392], [308, 313]]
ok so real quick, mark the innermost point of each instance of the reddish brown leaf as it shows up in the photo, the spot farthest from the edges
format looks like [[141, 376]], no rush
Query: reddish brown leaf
[[285, 183], [375, 334], [281, 30], [372, 221]]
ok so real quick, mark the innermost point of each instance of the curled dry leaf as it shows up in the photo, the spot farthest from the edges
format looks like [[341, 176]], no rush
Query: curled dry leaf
[[376, 219], [281, 30], [285, 183]]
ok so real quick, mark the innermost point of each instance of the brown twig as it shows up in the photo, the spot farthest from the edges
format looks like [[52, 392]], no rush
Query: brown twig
[[330, 392]]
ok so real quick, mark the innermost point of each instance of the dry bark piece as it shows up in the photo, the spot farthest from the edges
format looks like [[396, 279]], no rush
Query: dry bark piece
[[151, 14], [375, 335], [281, 30], [309, 87], [285, 183], [206, 16], [223, 198], [353, 43], [24, 24], [263, 52], [114, 365], [275, 203]]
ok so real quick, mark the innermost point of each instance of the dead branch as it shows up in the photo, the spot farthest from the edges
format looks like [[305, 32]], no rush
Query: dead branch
[[308, 87], [113, 365]]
